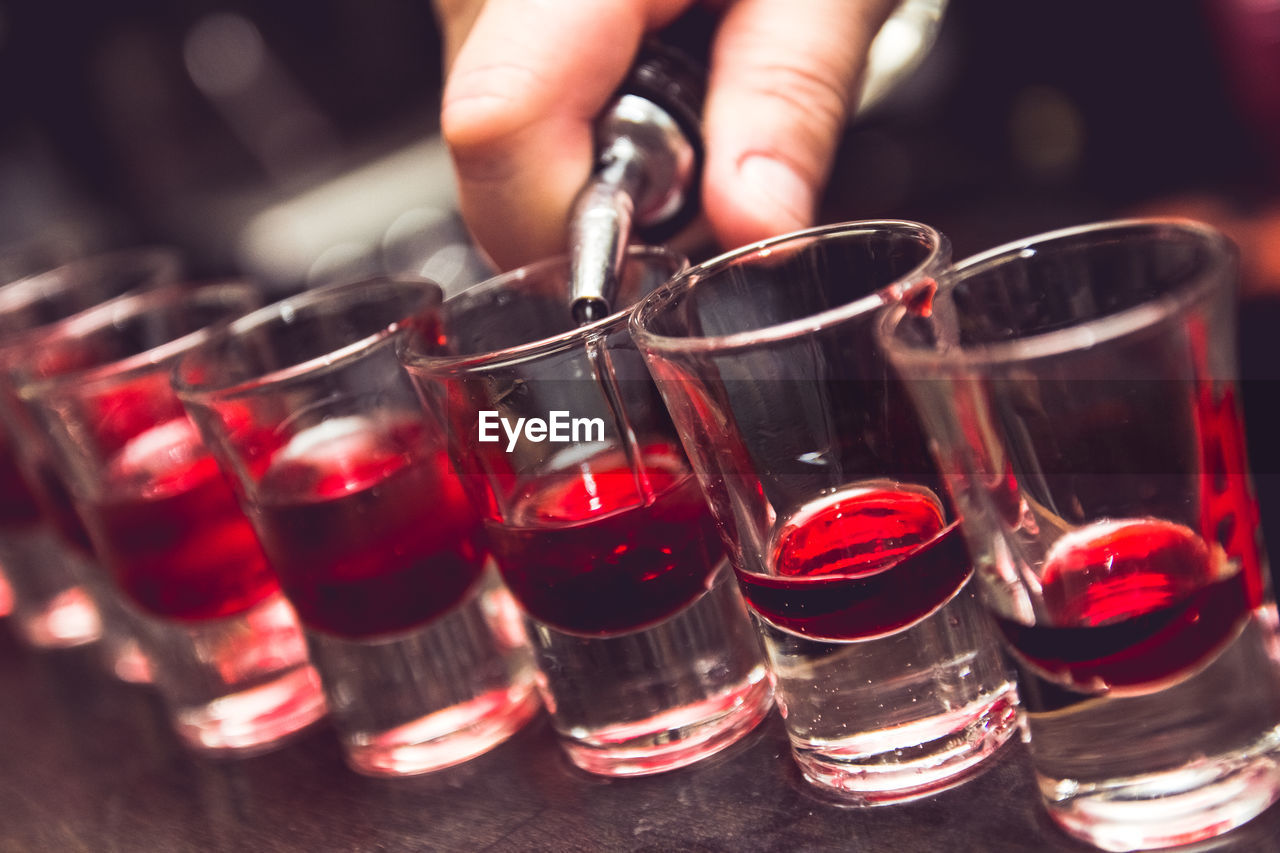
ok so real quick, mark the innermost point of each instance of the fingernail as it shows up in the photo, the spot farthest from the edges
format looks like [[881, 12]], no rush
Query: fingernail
[[778, 184]]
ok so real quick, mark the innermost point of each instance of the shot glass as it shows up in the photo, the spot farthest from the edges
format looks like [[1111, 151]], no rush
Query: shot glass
[[1079, 389], [647, 659], [60, 549], [17, 513], [227, 653], [419, 646], [889, 676], [19, 261], [57, 600]]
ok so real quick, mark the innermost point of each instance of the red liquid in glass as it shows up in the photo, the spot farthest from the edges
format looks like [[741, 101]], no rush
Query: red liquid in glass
[[367, 528], [171, 532], [865, 562], [1229, 512], [583, 552], [1129, 603]]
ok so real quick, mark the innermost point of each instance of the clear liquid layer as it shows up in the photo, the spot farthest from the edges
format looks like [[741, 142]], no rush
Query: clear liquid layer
[[435, 695], [51, 608], [1167, 766], [238, 685], [661, 697], [896, 717]]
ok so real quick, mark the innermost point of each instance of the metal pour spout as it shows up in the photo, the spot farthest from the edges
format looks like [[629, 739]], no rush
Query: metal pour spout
[[600, 229], [645, 179]]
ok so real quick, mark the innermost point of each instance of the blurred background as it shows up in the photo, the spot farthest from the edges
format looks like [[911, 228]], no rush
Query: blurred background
[[293, 142], [298, 142], [298, 139]]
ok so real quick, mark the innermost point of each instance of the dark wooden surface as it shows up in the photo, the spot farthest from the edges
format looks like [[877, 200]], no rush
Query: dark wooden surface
[[88, 764]]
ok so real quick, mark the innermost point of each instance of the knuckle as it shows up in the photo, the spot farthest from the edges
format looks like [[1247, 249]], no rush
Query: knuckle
[[815, 93], [803, 111], [484, 107]]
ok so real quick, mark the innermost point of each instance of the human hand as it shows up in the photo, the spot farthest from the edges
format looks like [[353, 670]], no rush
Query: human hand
[[527, 78]]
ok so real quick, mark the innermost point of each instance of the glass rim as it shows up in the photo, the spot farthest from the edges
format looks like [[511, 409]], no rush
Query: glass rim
[[928, 269], [284, 310], [447, 365], [1177, 300], [121, 308], [27, 290]]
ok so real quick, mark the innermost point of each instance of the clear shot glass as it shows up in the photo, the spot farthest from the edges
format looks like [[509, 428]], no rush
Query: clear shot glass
[[226, 651], [647, 659], [1079, 389], [18, 261], [58, 600], [419, 646], [18, 513], [889, 676]]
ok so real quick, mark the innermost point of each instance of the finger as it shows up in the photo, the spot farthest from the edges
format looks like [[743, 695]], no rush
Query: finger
[[782, 85], [518, 111]]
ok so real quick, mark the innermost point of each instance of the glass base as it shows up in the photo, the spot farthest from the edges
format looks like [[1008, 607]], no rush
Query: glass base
[[119, 649], [1201, 800], [674, 738], [660, 697], [910, 761], [254, 720], [1178, 762], [51, 605], [237, 685], [444, 738], [67, 620], [433, 696]]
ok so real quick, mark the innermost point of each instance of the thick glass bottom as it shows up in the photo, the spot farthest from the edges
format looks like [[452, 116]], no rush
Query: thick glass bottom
[[446, 737], [660, 697], [255, 720], [896, 717], [434, 696], [674, 738], [910, 761], [66, 620], [49, 604], [237, 685], [119, 648], [1195, 802], [1181, 762]]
